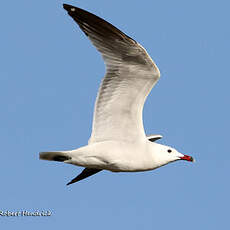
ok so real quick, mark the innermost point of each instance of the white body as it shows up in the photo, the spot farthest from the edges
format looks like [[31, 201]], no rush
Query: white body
[[118, 141], [117, 156]]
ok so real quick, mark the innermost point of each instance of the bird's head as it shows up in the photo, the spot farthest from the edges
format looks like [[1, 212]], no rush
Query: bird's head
[[166, 154]]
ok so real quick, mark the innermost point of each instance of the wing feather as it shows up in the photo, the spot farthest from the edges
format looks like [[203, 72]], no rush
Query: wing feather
[[130, 76]]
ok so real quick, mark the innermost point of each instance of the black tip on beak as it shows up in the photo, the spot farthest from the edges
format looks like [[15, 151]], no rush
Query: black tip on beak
[[187, 158]]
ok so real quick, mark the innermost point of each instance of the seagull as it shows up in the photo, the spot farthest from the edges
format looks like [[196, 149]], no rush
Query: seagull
[[118, 142]]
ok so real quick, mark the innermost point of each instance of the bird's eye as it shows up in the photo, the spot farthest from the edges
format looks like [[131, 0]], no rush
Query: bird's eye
[[169, 150]]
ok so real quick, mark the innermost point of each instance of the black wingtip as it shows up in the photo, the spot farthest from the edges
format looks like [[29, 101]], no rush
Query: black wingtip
[[69, 183], [66, 6], [76, 179], [84, 174], [70, 8]]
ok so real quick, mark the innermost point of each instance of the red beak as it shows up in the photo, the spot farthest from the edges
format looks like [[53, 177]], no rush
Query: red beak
[[187, 158]]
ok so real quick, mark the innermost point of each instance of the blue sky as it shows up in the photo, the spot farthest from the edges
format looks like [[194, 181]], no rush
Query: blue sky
[[49, 76]]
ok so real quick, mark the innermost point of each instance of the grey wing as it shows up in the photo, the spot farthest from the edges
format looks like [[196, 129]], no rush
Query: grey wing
[[130, 76]]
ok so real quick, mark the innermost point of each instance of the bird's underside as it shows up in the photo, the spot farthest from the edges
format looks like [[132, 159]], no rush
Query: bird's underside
[[87, 172]]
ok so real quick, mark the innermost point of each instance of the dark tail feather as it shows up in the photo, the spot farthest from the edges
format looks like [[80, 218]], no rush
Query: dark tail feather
[[85, 173], [55, 156]]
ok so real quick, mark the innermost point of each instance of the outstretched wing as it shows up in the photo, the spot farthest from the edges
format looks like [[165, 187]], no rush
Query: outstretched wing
[[130, 76]]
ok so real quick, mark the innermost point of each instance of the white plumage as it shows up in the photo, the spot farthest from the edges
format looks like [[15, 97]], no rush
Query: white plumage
[[118, 141]]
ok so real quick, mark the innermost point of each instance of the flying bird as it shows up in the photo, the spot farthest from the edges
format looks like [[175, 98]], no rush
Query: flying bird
[[118, 142]]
